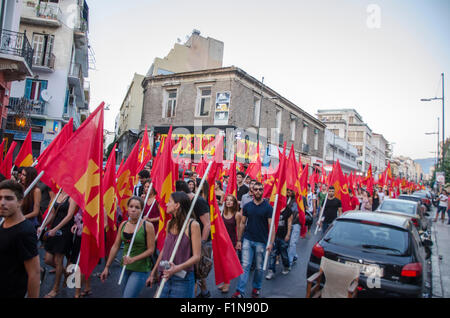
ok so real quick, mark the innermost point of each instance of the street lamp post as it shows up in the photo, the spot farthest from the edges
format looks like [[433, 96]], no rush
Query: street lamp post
[[443, 118], [437, 152]]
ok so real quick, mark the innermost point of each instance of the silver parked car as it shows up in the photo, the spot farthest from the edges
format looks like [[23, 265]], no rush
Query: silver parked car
[[408, 208]]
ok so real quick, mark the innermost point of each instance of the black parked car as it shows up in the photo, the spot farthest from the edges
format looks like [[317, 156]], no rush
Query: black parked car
[[387, 248]]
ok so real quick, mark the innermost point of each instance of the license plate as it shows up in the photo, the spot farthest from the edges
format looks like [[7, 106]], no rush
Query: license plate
[[368, 270]]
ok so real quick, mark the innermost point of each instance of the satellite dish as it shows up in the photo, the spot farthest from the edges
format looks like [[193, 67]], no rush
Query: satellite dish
[[45, 95]]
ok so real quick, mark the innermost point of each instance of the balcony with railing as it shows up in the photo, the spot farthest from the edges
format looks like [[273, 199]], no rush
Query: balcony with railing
[[16, 55], [41, 13], [77, 80], [24, 105], [44, 61]]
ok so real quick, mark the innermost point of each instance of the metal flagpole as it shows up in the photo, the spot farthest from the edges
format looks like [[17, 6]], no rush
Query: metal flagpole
[[135, 232], [180, 235], [272, 228], [48, 214]]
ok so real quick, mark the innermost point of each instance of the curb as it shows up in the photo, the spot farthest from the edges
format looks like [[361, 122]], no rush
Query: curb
[[437, 291]]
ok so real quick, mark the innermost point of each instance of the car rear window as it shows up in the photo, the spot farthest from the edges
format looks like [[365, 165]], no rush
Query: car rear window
[[398, 206], [381, 239]]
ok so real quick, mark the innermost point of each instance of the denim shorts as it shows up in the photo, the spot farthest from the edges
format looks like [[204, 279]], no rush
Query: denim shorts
[[177, 287]]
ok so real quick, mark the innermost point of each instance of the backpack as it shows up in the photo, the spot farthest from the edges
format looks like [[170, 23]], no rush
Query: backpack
[[204, 266]]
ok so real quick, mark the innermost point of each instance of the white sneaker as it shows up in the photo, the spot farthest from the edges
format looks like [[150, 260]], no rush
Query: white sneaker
[[270, 274], [285, 271]]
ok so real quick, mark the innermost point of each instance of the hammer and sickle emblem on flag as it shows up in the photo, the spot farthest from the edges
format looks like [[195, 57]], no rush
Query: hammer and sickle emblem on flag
[[344, 189], [89, 180]]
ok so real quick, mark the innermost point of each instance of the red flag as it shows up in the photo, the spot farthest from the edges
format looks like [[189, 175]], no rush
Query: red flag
[[254, 168], [340, 187], [110, 200], [280, 188], [7, 163], [1, 151], [292, 170], [77, 168], [301, 187], [127, 179], [232, 181], [226, 262], [52, 150], [145, 154], [25, 156], [164, 184]]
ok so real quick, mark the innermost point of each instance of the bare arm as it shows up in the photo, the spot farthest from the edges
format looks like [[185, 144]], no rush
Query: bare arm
[[240, 229], [289, 228], [37, 204], [205, 219], [112, 253], [32, 267]]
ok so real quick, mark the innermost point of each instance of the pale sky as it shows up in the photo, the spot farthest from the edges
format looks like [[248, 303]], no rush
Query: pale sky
[[318, 54]]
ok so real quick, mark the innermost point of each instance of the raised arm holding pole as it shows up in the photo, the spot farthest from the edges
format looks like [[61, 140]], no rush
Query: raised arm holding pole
[[48, 214], [180, 235], [319, 220]]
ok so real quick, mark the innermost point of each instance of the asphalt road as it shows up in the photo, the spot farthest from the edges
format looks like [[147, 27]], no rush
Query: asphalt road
[[292, 285]]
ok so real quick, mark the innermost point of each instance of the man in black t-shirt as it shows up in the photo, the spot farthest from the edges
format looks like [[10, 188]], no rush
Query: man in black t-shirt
[[333, 206], [281, 243], [242, 188], [19, 259]]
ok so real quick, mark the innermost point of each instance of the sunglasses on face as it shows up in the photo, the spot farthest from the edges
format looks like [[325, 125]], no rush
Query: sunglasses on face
[[257, 189]]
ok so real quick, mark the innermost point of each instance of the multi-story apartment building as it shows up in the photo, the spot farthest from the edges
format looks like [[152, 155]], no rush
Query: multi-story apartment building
[[58, 30], [380, 151], [198, 53], [348, 124], [131, 108], [234, 102], [15, 55], [338, 148]]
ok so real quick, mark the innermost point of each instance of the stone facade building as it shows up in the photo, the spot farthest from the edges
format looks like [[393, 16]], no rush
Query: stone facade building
[[236, 103]]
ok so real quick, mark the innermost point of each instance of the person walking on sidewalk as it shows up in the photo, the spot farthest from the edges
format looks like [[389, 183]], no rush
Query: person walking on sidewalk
[[254, 229], [19, 258], [442, 207]]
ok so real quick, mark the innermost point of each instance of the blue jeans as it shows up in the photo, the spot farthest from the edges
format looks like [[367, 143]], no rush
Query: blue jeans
[[133, 282], [177, 287], [251, 250], [292, 249], [280, 247]]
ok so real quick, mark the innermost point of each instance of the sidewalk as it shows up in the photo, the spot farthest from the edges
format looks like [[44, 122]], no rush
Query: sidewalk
[[440, 259]]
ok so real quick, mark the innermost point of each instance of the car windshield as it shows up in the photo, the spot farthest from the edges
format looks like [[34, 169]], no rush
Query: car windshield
[[398, 206], [376, 238]]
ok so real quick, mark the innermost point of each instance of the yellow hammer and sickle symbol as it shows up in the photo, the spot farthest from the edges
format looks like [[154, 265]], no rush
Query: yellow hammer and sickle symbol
[[90, 179]]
